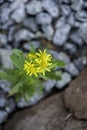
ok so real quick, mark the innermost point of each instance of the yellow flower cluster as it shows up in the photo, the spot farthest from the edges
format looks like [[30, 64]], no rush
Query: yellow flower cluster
[[38, 63]]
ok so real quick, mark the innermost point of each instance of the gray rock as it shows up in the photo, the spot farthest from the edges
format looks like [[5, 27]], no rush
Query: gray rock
[[3, 40], [1, 1], [11, 33], [5, 58], [83, 31], [3, 116], [77, 5], [64, 57], [34, 7], [3, 100], [76, 38], [71, 68], [35, 44], [5, 86], [11, 105], [66, 78], [19, 14], [65, 10], [7, 25], [23, 34], [71, 19], [60, 22], [80, 62], [48, 85], [65, 1], [70, 48], [55, 54], [61, 35], [81, 16], [30, 24], [51, 7], [48, 31], [43, 18]]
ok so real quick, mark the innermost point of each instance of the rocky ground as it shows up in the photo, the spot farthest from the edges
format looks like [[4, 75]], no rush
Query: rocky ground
[[62, 24]]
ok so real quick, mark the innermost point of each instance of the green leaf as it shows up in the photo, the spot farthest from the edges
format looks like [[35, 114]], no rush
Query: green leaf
[[54, 75], [18, 58]]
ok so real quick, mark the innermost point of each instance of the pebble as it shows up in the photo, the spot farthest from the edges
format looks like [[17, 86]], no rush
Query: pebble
[[70, 48], [11, 33], [80, 62], [3, 100], [5, 86], [62, 31], [64, 57], [83, 31], [23, 35], [19, 14], [48, 85], [5, 58], [51, 7], [66, 78], [11, 105], [48, 31], [3, 116], [77, 5], [30, 24], [3, 40], [81, 16], [34, 7], [60, 22], [43, 18], [71, 68], [1, 1], [76, 38], [65, 10], [71, 19]]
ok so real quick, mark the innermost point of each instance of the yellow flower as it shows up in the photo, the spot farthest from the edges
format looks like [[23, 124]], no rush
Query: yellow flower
[[44, 61], [30, 68], [31, 55]]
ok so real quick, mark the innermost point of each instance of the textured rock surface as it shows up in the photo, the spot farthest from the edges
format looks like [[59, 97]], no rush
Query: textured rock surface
[[48, 115], [75, 96]]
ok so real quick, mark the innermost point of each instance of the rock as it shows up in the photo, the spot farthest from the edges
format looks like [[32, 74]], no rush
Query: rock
[[83, 31], [5, 86], [71, 19], [62, 31], [64, 57], [77, 5], [70, 48], [23, 35], [30, 24], [35, 44], [50, 114], [3, 100], [5, 58], [11, 33], [43, 18], [51, 7], [34, 7], [66, 78], [3, 40], [7, 25], [81, 16], [3, 116], [48, 85], [60, 22], [71, 68], [65, 10], [80, 62], [48, 31], [11, 105], [19, 14], [76, 38], [75, 96], [65, 1], [1, 1]]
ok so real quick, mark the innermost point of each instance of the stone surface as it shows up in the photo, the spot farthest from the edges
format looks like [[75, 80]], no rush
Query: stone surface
[[5, 58], [65, 10], [3, 100], [19, 14], [77, 5], [62, 31], [66, 78], [3, 40], [43, 18], [51, 7], [71, 68], [81, 16], [75, 96], [48, 115], [3, 116], [34, 7]]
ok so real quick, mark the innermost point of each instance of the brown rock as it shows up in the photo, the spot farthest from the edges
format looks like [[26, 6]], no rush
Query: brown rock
[[50, 114], [75, 96]]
